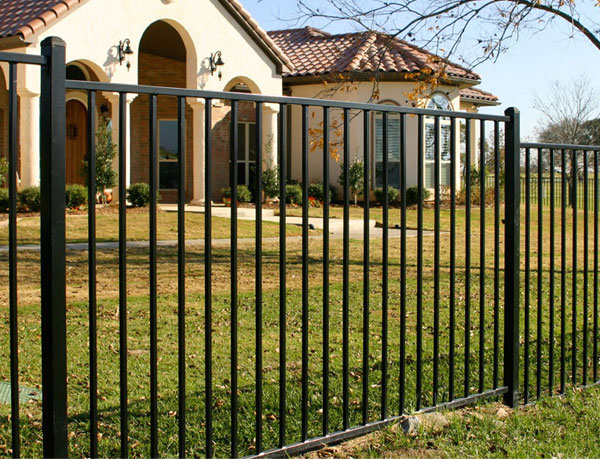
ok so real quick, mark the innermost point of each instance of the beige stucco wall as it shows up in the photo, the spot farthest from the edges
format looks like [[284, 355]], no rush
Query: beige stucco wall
[[393, 93], [93, 30]]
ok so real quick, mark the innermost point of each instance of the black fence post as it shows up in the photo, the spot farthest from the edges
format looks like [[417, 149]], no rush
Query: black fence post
[[512, 269], [53, 263]]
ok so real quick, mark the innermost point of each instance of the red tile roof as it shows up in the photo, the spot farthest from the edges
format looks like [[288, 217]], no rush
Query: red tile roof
[[315, 52], [25, 18], [477, 95]]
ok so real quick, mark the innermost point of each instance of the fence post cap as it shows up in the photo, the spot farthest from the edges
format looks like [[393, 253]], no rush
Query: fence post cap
[[54, 41], [510, 111]]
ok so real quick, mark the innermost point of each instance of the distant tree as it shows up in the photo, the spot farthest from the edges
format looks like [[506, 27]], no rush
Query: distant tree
[[566, 109], [569, 116]]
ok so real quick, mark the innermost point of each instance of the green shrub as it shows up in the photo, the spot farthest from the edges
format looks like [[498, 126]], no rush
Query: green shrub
[[4, 200], [317, 191], [244, 194], [412, 195], [3, 171], [76, 196], [293, 194], [393, 195], [30, 198], [138, 194], [270, 182]]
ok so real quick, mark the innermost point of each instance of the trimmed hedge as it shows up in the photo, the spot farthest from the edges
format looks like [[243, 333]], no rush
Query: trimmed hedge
[[393, 195], [76, 196], [412, 195], [31, 199], [243, 193], [138, 194]]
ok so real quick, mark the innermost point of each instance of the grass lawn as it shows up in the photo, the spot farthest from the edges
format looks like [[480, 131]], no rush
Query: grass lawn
[[555, 427], [138, 336], [137, 228]]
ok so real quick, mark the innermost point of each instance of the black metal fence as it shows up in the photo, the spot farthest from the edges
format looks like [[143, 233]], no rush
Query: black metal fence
[[280, 347], [570, 195]]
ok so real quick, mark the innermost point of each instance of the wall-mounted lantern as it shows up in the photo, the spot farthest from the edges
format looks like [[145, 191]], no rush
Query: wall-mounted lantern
[[124, 50], [216, 61]]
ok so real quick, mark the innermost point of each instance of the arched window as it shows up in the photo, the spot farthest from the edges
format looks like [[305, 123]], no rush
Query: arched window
[[438, 101]]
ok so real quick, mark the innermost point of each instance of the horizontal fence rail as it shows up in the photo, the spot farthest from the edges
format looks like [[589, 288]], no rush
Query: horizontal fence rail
[[261, 338]]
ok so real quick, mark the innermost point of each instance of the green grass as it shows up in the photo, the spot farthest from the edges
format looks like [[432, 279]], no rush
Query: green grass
[[138, 341], [554, 427], [107, 228]]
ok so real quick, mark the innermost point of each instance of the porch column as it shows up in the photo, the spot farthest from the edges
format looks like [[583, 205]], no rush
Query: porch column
[[29, 131], [198, 145], [270, 135]]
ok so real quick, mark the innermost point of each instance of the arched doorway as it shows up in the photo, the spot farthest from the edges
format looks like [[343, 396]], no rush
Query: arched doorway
[[77, 139], [77, 119], [163, 60]]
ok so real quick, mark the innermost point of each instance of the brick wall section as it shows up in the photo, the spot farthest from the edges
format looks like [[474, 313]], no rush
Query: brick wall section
[[158, 71], [221, 116]]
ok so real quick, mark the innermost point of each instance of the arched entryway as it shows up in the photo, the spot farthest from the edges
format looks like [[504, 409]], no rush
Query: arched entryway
[[77, 119], [164, 58], [77, 139]]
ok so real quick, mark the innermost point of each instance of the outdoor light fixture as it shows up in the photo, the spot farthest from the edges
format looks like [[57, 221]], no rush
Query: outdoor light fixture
[[124, 50], [216, 61]]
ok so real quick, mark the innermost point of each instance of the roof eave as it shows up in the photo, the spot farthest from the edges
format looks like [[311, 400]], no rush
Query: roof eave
[[14, 41], [476, 101]]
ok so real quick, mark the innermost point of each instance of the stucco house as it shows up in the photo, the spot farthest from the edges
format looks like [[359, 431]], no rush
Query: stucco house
[[377, 68], [176, 43], [172, 42]]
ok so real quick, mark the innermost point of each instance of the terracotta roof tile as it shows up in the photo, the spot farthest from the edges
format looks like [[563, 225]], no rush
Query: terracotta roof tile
[[315, 52], [25, 17], [474, 94]]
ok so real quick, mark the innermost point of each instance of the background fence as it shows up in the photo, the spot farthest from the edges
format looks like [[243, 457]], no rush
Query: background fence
[[546, 193], [280, 345]]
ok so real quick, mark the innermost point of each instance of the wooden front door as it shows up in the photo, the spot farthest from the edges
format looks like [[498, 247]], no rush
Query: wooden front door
[[76, 141]]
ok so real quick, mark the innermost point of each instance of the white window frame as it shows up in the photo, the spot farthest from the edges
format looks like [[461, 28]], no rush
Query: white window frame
[[444, 149]]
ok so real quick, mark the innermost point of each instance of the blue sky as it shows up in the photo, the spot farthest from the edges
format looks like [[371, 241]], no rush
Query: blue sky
[[518, 75]]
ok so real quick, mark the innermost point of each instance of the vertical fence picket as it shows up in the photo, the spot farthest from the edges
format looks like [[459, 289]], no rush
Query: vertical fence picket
[[92, 313], [12, 262], [208, 259], [482, 298], [527, 283], [366, 268], [419, 323], [563, 271], [153, 167], [452, 292], [181, 265], [259, 281], [233, 183], [123, 367], [282, 275]]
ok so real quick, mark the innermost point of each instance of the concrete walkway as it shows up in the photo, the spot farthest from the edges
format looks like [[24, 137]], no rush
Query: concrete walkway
[[336, 228]]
